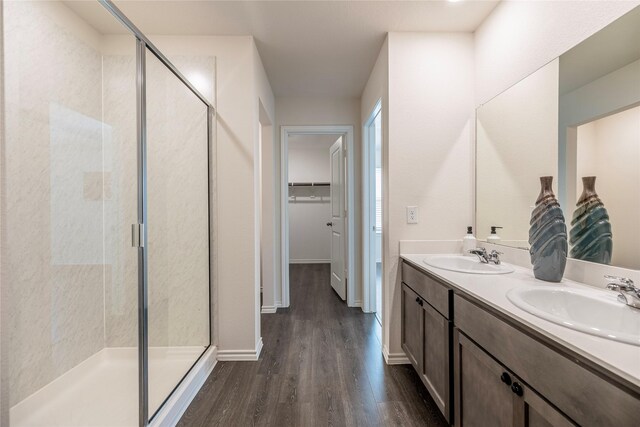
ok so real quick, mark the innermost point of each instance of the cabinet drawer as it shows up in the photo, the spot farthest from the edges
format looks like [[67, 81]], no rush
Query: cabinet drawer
[[436, 294], [578, 392]]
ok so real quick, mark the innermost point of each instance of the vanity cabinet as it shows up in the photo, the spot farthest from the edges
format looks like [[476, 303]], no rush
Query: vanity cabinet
[[427, 332], [484, 368], [562, 381], [488, 394]]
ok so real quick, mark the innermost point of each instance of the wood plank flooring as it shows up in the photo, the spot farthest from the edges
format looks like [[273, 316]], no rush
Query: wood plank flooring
[[321, 365]]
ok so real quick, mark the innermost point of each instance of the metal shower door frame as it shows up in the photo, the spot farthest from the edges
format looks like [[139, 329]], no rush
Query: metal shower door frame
[[142, 45]]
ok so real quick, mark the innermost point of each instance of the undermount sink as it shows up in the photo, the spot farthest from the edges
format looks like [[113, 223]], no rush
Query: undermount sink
[[591, 311], [466, 264]]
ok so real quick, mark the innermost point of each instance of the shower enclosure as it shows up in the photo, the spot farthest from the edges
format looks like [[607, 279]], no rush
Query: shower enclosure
[[105, 216]]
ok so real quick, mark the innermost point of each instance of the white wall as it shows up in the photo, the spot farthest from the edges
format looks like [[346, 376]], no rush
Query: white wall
[[309, 237], [309, 157], [521, 36], [428, 150], [608, 148], [322, 111]]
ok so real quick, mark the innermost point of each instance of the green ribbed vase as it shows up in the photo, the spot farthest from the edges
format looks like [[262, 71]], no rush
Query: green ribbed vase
[[590, 237], [548, 235]]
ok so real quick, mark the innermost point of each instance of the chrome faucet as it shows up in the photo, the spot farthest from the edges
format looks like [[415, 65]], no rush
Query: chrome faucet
[[492, 257], [629, 294]]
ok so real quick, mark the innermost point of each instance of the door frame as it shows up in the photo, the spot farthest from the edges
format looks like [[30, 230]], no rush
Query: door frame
[[368, 210], [347, 132]]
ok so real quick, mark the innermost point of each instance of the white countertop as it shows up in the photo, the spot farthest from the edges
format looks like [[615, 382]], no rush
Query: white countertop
[[620, 358]]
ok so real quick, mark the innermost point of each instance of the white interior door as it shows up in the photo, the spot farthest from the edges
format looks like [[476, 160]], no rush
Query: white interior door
[[337, 223]]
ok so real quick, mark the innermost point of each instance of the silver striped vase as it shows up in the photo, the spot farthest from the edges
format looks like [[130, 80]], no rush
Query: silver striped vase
[[548, 235], [590, 235]]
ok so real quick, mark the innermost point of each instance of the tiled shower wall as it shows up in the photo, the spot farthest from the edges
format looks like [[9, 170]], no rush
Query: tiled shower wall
[[71, 197], [54, 211]]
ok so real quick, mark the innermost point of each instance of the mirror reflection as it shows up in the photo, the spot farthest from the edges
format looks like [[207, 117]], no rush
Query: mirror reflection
[[578, 120], [516, 144]]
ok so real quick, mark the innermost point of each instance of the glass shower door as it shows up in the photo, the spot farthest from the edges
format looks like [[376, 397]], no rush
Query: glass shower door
[[69, 198], [177, 230]]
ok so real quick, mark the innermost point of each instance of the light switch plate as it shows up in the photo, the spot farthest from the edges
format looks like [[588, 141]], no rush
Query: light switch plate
[[412, 214]]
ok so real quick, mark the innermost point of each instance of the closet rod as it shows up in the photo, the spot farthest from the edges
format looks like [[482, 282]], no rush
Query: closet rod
[[309, 184]]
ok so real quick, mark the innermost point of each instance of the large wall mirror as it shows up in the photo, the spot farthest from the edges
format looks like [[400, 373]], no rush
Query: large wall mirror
[[576, 119]]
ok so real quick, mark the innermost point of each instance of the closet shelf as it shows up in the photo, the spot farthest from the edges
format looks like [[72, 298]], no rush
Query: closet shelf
[[309, 184]]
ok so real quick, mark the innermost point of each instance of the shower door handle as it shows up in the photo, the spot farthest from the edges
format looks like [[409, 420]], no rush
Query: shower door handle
[[137, 235]]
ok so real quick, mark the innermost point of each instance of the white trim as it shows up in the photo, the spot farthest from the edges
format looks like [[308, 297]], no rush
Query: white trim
[[285, 132], [240, 355], [179, 401], [309, 261], [394, 358], [357, 303], [269, 309], [258, 348], [368, 211]]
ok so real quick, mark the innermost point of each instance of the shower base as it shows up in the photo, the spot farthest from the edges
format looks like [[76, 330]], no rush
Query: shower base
[[102, 391]]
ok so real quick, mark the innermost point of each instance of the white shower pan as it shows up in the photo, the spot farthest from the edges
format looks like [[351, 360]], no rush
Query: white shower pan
[[102, 391]]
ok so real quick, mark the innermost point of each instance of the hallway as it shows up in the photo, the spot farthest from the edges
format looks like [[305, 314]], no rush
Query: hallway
[[321, 365]]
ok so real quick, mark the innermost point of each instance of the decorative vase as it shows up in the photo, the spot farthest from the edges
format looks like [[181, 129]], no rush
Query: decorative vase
[[590, 235], [548, 235]]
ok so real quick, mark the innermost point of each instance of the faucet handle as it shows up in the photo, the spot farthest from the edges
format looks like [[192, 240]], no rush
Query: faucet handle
[[620, 284], [494, 257], [629, 294], [615, 280]]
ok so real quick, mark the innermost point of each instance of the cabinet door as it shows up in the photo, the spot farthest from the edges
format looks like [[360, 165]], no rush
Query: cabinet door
[[412, 327], [482, 398], [537, 412], [436, 367], [488, 394]]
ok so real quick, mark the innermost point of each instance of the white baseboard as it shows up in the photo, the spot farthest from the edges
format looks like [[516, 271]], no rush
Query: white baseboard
[[394, 358], [240, 355], [309, 261], [179, 401], [269, 309], [357, 303]]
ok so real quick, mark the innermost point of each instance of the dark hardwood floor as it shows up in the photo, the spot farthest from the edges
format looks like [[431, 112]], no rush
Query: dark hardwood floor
[[321, 365]]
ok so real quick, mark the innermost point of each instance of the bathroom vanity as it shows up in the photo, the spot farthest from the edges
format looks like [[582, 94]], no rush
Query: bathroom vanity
[[487, 362], [498, 348]]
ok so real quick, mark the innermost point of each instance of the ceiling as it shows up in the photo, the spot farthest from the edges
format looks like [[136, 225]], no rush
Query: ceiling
[[308, 48]]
